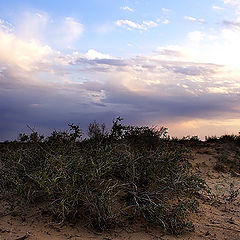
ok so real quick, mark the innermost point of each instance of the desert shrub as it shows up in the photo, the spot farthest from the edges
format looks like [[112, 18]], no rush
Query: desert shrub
[[97, 131], [228, 160], [187, 141], [234, 139], [228, 138], [228, 150], [211, 139], [124, 174]]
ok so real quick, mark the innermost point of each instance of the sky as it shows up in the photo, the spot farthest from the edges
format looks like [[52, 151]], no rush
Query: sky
[[153, 62]]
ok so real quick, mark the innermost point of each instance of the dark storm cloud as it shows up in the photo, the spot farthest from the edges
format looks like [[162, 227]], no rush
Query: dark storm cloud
[[171, 106], [231, 24], [139, 89], [44, 106], [109, 62]]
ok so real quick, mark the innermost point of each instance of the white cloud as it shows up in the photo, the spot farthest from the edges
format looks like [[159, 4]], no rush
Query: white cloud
[[166, 10], [71, 29], [150, 24], [217, 8], [166, 21], [93, 54], [130, 24], [39, 26], [193, 19], [32, 26], [233, 3], [145, 25], [27, 55], [127, 9], [190, 18], [163, 21]]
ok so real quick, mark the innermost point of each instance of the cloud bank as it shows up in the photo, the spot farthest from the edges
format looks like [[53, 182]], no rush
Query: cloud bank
[[191, 89]]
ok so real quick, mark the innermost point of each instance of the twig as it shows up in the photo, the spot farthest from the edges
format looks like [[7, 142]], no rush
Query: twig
[[23, 237], [4, 231], [4, 215]]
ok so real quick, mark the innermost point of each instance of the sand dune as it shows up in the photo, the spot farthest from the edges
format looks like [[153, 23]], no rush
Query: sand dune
[[217, 218]]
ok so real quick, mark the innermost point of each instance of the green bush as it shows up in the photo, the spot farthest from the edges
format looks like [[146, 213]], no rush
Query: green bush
[[228, 150], [124, 174]]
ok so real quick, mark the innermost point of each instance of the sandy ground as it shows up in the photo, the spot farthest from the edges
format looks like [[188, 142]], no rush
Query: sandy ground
[[218, 219]]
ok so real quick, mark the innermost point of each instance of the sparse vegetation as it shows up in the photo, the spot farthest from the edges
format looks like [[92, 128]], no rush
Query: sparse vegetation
[[125, 174], [228, 150]]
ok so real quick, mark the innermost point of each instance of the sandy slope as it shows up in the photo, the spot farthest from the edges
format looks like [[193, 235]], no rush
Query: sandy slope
[[219, 219]]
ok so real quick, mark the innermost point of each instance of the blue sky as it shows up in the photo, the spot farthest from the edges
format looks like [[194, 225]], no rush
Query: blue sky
[[155, 62], [99, 18]]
